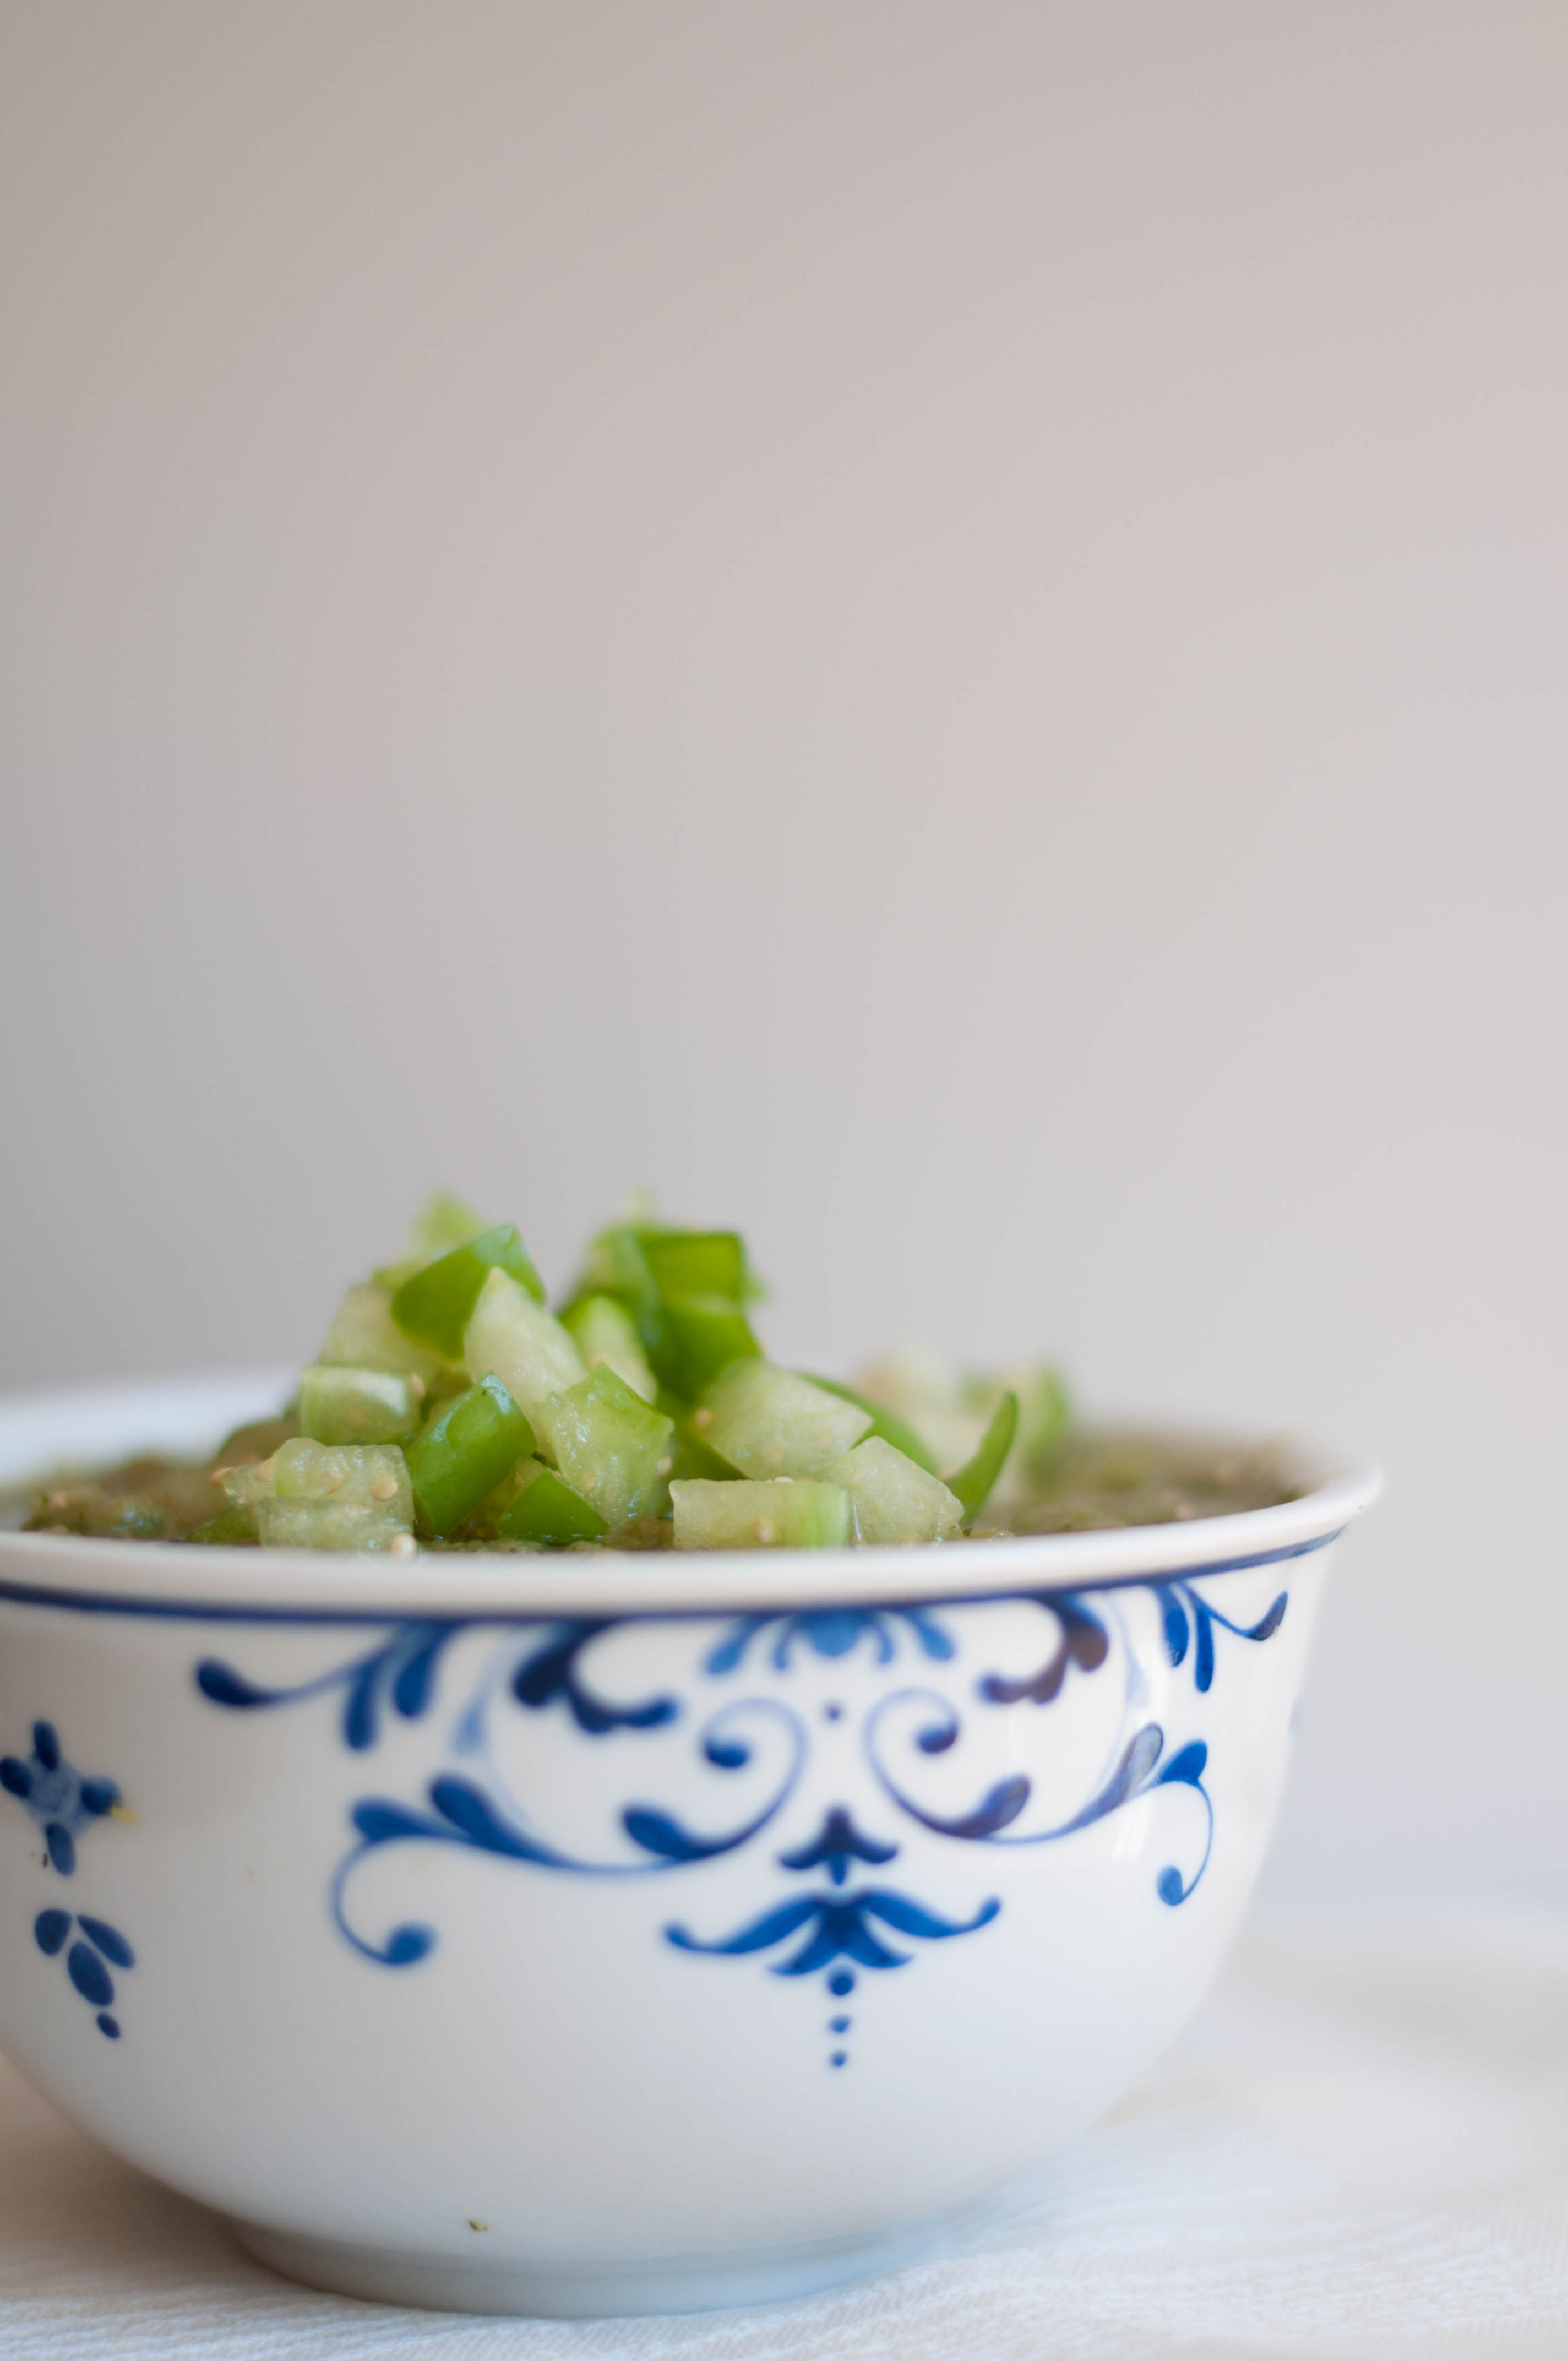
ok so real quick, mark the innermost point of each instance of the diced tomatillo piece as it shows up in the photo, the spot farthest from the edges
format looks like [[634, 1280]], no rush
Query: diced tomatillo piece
[[604, 1330], [884, 1422], [696, 1340], [372, 1475], [464, 1454], [779, 1515], [346, 1405], [446, 1222], [517, 1340], [435, 1305], [364, 1336], [690, 1456], [254, 1480], [768, 1421], [547, 1510], [972, 1484], [606, 1442], [892, 1499], [684, 1263], [325, 1525], [617, 1266]]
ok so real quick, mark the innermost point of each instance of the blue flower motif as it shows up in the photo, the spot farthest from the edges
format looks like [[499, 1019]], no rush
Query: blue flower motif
[[60, 1798], [84, 1961]]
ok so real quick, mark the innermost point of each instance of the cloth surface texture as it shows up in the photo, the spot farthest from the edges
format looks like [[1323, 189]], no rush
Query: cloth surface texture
[[1359, 2151]]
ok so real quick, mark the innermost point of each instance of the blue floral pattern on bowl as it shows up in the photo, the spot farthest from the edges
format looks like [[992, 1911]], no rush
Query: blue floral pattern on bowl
[[550, 1665], [63, 1801]]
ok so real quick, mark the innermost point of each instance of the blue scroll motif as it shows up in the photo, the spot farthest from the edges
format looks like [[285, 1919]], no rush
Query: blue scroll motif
[[461, 1813], [401, 1671], [1188, 1617], [826, 1928]]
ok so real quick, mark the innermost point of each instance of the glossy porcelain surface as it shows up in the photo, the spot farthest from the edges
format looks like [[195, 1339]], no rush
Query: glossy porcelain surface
[[592, 1935]]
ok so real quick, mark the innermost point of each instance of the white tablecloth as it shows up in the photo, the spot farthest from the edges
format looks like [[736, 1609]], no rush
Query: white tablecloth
[[1360, 2149]]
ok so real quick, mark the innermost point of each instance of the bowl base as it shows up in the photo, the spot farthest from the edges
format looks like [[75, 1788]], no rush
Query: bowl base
[[580, 2290]]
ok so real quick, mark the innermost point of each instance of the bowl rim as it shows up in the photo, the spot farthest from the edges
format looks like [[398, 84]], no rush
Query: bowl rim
[[169, 1578]]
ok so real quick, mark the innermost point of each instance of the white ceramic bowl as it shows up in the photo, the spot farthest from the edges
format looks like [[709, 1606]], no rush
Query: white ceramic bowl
[[593, 1935]]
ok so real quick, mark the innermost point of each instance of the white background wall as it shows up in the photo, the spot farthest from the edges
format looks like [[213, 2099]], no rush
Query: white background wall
[[935, 627]]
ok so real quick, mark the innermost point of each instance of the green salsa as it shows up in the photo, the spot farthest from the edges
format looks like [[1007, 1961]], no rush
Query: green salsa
[[449, 1407]]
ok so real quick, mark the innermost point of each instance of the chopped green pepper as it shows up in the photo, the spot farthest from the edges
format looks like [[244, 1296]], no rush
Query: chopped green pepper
[[547, 1510], [696, 1340], [434, 1306], [972, 1484], [684, 1263], [464, 1454]]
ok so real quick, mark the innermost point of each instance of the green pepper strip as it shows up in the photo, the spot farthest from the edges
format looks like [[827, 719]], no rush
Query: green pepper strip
[[464, 1454], [434, 1305], [884, 1422], [547, 1510], [972, 1484]]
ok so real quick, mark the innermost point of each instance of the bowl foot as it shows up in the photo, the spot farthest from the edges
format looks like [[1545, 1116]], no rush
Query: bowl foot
[[579, 2291]]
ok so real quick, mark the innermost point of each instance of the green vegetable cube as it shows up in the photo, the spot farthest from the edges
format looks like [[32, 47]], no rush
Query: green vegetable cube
[[373, 1476], [434, 1306], [446, 1222], [884, 1423], [606, 1442], [892, 1499], [325, 1525], [780, 1515], [347, 1405], [617, 1266], [767, 1421], [318, 1495], [547, 1510], [684, 1263], [693, 1341], [604, 1330], [364, 1336], [515, 1339], [247, 1485], [464, 1454]]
